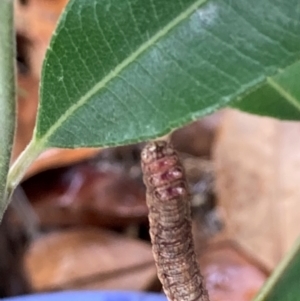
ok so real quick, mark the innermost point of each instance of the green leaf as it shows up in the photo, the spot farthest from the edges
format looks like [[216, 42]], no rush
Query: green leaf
[[7, 95], [279, 97], [284, 282], [121, 71]]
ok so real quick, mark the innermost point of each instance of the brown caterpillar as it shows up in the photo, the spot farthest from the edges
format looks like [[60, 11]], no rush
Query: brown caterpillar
[[170, 223]]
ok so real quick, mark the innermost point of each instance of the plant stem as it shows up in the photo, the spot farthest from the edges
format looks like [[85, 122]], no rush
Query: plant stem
[[19, 168], [7, 93], [168, 201]]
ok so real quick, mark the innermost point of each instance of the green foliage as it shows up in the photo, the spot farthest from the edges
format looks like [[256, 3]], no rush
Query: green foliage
[[121, 71], [124, 71], [7, 93], [284, 282], [279, 97]]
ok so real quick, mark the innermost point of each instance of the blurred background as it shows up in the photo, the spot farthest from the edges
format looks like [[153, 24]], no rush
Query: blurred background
[[78, 221]]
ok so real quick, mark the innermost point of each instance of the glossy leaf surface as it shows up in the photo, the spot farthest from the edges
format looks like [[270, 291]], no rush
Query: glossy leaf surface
[[123, 71], [279, 97]]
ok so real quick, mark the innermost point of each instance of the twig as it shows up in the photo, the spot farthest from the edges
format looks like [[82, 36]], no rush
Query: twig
[[170, 224], [7, 94]]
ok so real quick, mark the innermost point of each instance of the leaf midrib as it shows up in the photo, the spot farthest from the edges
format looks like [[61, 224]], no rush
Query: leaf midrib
[[285, 94], [42, 140], [114, 73]]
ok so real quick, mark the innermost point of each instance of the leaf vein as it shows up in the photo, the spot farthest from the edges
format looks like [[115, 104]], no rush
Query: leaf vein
[[290, 98], [115, 72]]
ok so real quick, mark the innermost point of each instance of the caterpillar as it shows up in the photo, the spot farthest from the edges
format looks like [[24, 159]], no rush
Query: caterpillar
[[168, 201]]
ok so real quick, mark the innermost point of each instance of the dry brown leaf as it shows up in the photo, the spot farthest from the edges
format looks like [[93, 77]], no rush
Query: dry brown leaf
[[57, 157], [36, 20], [197, 138], [87, 194], [229, 275], [89, 259], [257, 164]]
